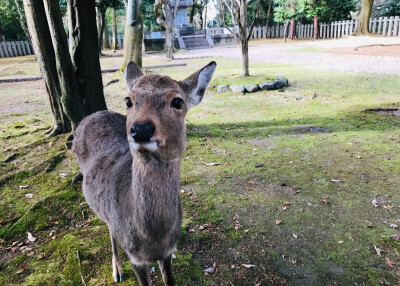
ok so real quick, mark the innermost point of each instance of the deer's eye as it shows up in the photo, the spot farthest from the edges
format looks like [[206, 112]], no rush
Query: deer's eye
[[177, 103], [128, 102]]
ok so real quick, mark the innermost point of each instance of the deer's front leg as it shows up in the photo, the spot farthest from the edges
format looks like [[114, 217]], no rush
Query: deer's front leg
[[166, 270], [116, 261], [142, 274]]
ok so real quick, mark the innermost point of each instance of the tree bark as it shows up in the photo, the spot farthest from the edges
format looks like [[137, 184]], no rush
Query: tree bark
[[133, 36], [84, 51], [114, 30], [245, 58], [292, 34], [316, 27], [363, 20], [102, 16], [167, 21], [71, 102], [42, 43], [22, 20], [106, 44], [268, 15]]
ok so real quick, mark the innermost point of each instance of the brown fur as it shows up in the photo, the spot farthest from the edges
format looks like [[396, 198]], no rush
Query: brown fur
[[135, 189]]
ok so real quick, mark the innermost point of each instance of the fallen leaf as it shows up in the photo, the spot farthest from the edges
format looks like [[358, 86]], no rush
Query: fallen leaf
[[31, 238], [23, 187], [248, 265], [29, 254], [340, 241], [377, 250], [278, 222], [209, 270], [375, 203], [56, 222], [395, 237], [191, 230], [389, 263], [294, 235], [287, 203], [29, 196], [335, 181], [62, 175], [21, 269], [211, 164], [1, 220], [393, 225], [294, 262]]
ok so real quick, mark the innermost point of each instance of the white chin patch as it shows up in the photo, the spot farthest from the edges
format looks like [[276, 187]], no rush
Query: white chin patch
[[151, 146]]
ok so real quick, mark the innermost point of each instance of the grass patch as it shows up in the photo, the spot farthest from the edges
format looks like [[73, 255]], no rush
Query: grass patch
[[309, 157]]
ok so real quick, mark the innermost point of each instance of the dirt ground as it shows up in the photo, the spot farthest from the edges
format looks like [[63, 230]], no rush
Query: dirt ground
[[374, 51]]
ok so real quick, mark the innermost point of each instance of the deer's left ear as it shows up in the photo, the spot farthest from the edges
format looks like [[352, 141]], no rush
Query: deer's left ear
[[195, 85]]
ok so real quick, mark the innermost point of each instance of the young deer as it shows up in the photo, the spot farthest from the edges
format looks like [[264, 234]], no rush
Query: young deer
[[131, 167]]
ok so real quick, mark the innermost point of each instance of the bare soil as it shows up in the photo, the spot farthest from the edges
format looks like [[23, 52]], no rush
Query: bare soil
[[374, 51]]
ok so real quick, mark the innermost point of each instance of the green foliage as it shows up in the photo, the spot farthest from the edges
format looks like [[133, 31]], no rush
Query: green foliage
[[285, 10], [338, 10], [149, 19], [9, 21], [392, 8]]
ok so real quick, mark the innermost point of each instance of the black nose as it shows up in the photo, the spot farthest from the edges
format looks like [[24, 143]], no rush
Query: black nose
[[142, 132]]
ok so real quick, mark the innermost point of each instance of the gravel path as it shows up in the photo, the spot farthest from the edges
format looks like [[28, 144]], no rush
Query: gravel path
[[275, 52]]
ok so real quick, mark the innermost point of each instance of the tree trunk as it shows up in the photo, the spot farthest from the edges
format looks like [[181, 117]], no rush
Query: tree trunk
[[22, 21], [102, 16], [205, 16], [286, 25], [363, 20], [133, 36], [243, 38], [114, 30], [268, 15], [106, 44], [169, 42], [42, 43], [245, 58], [292, 35], [70, 100], [316, 27], [84, 51], [168, 24], [191, 15]]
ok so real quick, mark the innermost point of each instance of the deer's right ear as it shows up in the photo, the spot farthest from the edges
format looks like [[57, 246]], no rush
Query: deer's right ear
[[132, 74], [195, 85]]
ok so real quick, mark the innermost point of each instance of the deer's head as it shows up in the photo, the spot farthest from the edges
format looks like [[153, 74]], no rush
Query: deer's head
[[156, 109]]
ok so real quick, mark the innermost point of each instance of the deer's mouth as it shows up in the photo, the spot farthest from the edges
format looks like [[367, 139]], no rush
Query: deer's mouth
[[150, 146]]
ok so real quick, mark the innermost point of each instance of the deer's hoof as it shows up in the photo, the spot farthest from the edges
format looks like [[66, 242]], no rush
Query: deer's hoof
[[118, 278]]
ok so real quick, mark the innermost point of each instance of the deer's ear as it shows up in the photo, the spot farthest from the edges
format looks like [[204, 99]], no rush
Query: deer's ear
[[132, 74], [195, 85]]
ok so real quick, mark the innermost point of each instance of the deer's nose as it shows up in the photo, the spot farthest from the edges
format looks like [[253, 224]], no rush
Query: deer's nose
[[142, 133]]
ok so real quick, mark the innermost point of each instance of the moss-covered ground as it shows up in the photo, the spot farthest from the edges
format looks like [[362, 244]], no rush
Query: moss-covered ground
[[290, 196]]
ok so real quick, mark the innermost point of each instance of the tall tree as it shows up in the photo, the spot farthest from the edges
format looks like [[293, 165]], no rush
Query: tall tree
[[362, 28], [312, 9], [133, 36], [22, 19], [114, 29], [166, 20], [284, 12], [72, 93], [243, 37]]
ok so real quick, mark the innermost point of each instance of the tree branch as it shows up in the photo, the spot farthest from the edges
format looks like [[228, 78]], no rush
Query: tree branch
[[238, 38], [254, 21]]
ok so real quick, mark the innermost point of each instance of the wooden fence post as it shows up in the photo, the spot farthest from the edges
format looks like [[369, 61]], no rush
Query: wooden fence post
[[396, 25], [390, 29], [385, 20], [2, 55], [379, 26]]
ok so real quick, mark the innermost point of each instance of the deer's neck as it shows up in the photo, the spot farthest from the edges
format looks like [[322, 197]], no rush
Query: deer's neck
[[155, 192]]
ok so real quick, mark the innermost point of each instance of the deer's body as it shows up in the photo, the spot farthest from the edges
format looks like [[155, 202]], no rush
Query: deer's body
[[131, 168], [115, 188]]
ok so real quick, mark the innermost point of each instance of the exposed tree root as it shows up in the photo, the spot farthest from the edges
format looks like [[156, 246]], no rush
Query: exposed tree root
[[78, 177]]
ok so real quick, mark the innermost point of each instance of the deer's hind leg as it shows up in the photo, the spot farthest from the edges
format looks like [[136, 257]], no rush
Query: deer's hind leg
[[166, 270], [116, 261]]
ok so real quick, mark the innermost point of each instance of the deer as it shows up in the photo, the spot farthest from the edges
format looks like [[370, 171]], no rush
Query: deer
[[131, 167]]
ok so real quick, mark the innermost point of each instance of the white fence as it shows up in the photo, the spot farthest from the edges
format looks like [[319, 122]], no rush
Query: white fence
[[15, 49], [385, 26]]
